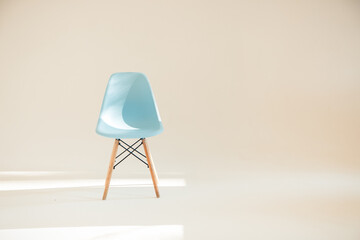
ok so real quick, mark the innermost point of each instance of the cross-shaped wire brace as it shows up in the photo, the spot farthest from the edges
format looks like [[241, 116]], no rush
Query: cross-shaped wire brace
[[131, 152]]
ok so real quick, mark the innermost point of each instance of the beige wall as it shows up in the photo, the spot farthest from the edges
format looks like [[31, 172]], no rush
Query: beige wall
[[260, 83]]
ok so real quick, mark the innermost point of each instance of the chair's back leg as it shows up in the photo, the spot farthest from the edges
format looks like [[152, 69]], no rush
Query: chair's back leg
[[110, 169], [151, 167]]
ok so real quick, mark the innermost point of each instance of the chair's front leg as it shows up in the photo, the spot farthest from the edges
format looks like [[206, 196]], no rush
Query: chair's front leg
[[151, 167], [110, 169]]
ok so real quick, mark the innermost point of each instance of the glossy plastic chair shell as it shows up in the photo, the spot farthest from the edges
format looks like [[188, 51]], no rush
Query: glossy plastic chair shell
[[129, 109]]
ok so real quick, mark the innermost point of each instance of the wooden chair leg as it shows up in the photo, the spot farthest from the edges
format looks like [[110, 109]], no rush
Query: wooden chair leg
[[154, 176], [110, 169]]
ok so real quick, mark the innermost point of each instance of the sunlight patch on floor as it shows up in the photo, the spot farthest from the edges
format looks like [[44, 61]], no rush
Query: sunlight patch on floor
[[158, 232], [77, 183], [31, 173]]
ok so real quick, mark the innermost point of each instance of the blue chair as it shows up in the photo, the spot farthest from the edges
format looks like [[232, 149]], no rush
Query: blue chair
[[129, 111]]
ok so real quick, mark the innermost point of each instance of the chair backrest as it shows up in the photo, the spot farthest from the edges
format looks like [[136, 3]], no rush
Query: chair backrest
[[129, 103]]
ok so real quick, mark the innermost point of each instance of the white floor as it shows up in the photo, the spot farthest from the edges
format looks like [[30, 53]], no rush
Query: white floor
[[248, 205]]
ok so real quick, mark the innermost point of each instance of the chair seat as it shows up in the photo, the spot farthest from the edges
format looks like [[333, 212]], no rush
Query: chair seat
[[126, 131], [129, 109]]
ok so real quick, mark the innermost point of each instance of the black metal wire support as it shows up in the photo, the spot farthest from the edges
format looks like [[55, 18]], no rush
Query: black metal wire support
[[133, 150]]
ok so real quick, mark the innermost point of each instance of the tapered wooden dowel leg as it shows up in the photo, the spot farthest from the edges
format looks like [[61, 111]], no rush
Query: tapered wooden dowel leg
[[151, 167], [111, 165]]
